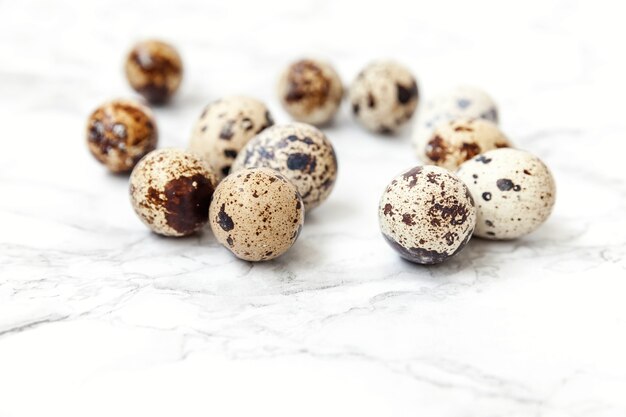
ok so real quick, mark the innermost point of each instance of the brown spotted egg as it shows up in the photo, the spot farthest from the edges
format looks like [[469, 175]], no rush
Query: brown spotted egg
[[224, 128], [310, 90], [514, 192], [460, 102], [427, 214], [300, 152], [154, 69], [120, 133], [170, 190], [456, 141], [257, 214], [383, 96]]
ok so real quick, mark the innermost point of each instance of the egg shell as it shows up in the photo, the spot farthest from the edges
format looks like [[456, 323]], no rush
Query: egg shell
[[257, 214], [456, 141], [301, 152], [154, 69], [461, 102], [383, 96], [514, 192], [170, 190], [225, 127], [427, 214], [310, 90], [120, 133]]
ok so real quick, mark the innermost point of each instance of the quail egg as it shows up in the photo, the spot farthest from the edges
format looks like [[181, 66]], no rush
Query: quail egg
[[170, 190], [383, 96], [427, 214], [458, 140], [154, 69], [224, 128], [461, 102], [514, 192], [300, 152], [256, 213], [120, 133], [310, 90]]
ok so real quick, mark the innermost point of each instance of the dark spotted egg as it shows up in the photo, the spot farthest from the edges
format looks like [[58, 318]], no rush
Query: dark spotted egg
[[300, 152], [383, 96], [256, 213], [310, 90], [170, 190], [225, 127], [427, 214], [120, 133], [514, 192], [154, 69]]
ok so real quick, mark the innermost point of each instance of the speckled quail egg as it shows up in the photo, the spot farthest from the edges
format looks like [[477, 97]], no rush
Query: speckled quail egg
[[170, 190], [154, 69], [120, 133], [257, 214], [427, 214], [310, 90], [224, 128], [514, 192], [383, 96], [460, 102], [300, 152], [458, 140]]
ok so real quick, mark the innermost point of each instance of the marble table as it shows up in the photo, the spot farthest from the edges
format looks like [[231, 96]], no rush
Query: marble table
[[99, 317]]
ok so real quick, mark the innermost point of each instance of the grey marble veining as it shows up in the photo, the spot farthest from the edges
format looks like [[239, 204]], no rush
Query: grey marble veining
[[100, 317]]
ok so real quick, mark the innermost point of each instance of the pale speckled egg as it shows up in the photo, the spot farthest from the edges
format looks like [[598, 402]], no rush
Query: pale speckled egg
[[225, 127], [170, 190], [514, 192], [427, 214], [383, 96], [460, 102], [456, 141], [257, 214], [120, 133], [154, 69], [301, 152], [310, 90]]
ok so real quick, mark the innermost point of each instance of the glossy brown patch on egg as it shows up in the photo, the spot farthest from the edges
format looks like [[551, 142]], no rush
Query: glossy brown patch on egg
[[120, 133], [427, 214], [257, 214], [384, 96], [310, 91], [154, 69], [300, 152], [171, 190], [225, 127]]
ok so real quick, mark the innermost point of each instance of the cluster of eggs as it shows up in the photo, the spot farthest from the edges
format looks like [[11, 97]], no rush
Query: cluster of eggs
[[473, 182], [252, 180]]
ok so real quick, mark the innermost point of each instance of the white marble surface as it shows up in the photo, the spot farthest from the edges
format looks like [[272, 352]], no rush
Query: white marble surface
[[99, 317]]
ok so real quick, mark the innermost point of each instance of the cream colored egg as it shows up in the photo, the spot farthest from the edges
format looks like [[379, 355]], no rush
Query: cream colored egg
[[170, 190], [383, 96], [427, 214], [301, 152], [514, 192], [225, 127], [256, 213]]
